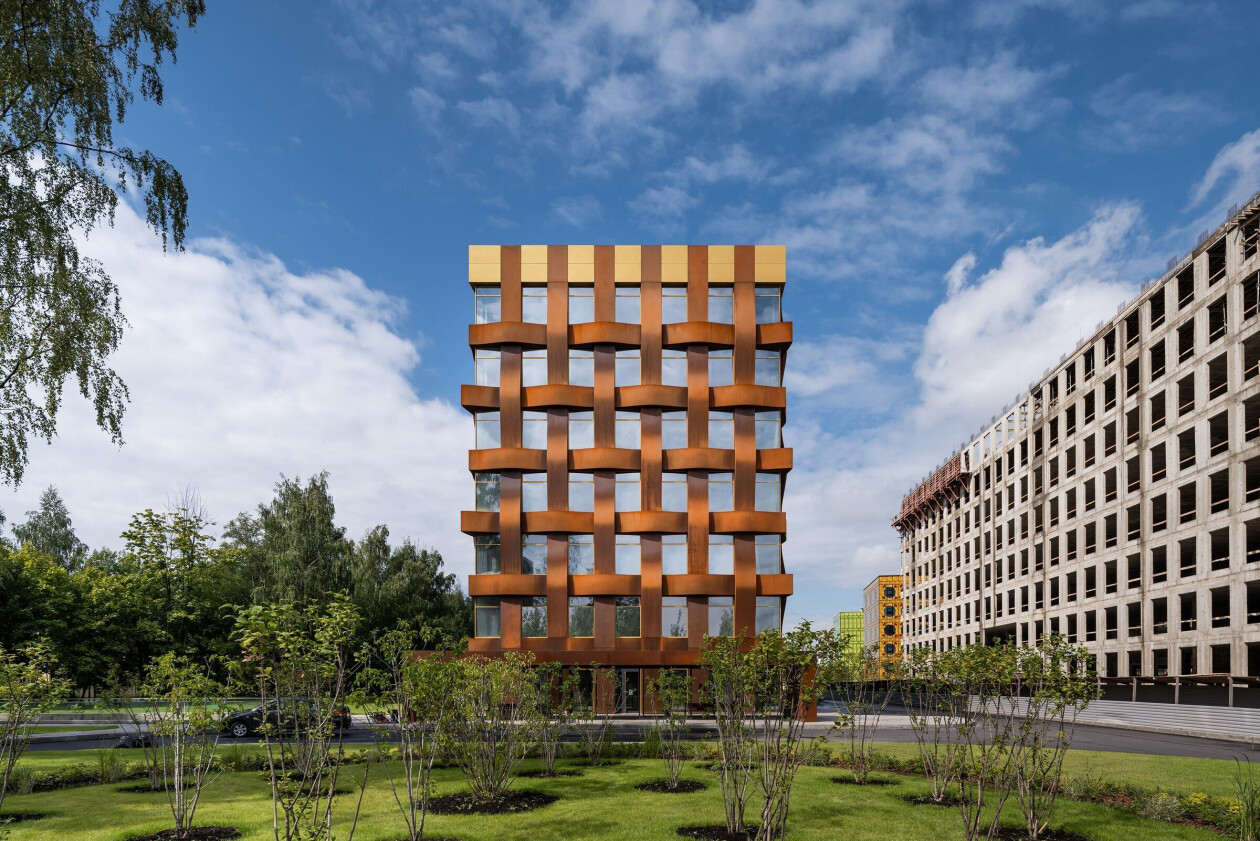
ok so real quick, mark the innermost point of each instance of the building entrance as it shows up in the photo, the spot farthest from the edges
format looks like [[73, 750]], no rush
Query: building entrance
[[628, 691]]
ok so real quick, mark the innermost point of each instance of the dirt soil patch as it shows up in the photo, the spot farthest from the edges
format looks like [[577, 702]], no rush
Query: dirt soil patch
[[662, 787], [21, 817], [950, 800], [197, 833], [717, 832], [142, 788], [870, 781], [542, 775], [509, 803], [1017, 833]]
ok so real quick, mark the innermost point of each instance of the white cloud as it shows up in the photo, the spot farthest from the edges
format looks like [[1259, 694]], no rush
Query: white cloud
[[986, 88], [667, 202], [1237, 166], [492, 112], [1134, 119], [427, 105], [990, 337], [578, 211], [241, 370]]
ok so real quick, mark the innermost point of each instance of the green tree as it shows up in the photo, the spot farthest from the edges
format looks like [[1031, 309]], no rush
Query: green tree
[[27, 690], [292, 549], [68, 73], [406, 584], [48, 529]]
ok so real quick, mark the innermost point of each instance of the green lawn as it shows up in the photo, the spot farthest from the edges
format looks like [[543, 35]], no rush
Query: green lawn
[[602, 804]]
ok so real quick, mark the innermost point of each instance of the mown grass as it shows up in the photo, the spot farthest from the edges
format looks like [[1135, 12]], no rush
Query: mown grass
[[600, 804]]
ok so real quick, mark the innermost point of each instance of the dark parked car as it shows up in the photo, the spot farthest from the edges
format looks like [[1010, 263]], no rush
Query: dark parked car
[[248, 722], [135, 740]]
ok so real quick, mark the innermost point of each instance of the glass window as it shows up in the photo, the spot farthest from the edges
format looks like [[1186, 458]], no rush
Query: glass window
[[673, 367], [533, 554], [627, 304], [534, 304], [534, 430], [673, 304], [721, 304], [721, 616], [673, 491], [489, 300], [721, 554], [767, 496], [721, 367], [533, 367], [673, 554], [769, 554], [486, 549], [627, 370], [627, 616], [581, 430], [674, 616], [721, 430], [533, 491], [581, 492], [581, 616], [487, 610], [767, 613], [890, 593], [629, 554], [721, 491], [534, 616], [767, 368], [626, 495], [581, 554], [627, 431], [673, 430], [768, 309], [486, 365], [768, 429], [581, 304], [581, 367], [487, 491], [487, 424]]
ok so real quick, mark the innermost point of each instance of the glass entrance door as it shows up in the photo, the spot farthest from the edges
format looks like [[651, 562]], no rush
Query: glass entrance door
[[628, 691]]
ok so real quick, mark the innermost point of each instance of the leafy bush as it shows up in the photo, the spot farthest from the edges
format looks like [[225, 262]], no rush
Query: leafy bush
[[1159, 806]]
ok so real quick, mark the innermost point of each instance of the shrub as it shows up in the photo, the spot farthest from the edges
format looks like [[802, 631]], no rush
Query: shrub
[[1159, 806]]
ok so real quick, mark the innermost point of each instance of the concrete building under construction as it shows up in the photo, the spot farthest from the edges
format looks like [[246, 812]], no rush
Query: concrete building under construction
[[1118, 501]]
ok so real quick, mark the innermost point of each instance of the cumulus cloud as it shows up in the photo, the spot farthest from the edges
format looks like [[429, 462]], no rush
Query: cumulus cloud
[[242, 369]]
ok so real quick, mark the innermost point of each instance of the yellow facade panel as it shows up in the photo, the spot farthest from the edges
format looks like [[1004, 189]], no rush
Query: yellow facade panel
[[581, 254], [533, 273], [770, 272], [628, 273], [628, 254], [673, 273], [721, 272], [673, 255], [721, 254], [534, 254], [770, 254], [483, 254], [483, 272], [582, 274]]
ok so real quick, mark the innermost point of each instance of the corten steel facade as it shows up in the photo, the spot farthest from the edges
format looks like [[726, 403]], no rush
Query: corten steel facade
[[881, 618], [629, 464], [1118, 501]]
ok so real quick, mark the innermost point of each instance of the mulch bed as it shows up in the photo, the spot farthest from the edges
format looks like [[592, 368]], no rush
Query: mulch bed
[[196, 833], [21, 817], [142, 788], [870, 781], [953, 801], [662, 787], [717, 832], [542, 775], [510, 802], [1018, 833]]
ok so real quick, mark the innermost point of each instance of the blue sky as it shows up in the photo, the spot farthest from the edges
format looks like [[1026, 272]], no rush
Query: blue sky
[[964, 189]]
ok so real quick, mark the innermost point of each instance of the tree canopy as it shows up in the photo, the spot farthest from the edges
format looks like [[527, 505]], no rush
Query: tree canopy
[[68, 74]]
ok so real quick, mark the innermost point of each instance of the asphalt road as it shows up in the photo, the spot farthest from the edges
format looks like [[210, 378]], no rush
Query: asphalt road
[[1087, 737]]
